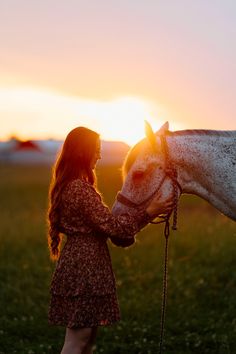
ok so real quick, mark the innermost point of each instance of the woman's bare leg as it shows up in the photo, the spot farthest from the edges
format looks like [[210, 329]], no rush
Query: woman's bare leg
[[89, 347], [76, 340]]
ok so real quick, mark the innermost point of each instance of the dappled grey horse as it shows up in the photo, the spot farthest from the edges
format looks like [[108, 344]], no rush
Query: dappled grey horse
[[200, 162]]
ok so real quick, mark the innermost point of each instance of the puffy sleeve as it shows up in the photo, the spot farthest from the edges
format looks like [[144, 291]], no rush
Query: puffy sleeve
[[120, 229]]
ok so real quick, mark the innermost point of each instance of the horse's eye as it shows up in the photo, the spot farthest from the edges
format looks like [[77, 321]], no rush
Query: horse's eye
[[138, 175]]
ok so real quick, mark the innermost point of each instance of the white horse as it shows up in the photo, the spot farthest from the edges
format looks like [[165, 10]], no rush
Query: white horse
[[203, 161]]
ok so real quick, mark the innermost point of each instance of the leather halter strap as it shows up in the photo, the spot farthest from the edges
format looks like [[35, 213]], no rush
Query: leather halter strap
[[129, 203]]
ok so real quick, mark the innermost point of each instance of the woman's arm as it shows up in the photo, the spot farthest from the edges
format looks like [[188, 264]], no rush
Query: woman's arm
[[120, 229]]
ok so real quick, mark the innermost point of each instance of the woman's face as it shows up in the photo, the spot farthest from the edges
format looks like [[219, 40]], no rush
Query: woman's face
[[97, 154]]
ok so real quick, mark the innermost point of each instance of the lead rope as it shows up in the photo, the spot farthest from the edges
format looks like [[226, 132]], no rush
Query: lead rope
[[173, 175], [165, 284], [165, 269]]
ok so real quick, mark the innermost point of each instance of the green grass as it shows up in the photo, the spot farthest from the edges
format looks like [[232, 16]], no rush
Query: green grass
[[201, 308]]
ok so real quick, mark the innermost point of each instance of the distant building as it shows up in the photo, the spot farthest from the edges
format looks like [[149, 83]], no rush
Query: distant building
[[28, 152], [45, 152]]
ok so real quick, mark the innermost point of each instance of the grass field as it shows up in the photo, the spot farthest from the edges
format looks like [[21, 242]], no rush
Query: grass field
[[201, 309]]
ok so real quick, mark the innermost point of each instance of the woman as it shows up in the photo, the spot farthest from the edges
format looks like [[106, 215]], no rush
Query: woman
[[83, 291]]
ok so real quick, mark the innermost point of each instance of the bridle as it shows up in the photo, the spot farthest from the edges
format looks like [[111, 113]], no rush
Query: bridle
[[171, 172]]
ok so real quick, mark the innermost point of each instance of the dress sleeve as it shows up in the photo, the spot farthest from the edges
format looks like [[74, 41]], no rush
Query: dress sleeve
[[120, 229]]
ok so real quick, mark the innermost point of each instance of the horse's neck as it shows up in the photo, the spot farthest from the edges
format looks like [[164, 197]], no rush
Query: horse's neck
[[206, 166]]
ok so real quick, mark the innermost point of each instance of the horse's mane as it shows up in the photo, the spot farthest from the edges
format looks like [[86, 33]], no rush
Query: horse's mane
[[222, 133], [131, 157], [134, 151]]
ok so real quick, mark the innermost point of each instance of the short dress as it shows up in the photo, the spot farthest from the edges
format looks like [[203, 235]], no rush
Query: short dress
[[83, 288]]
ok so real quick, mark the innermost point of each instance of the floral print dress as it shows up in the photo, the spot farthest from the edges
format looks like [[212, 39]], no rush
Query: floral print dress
[[83, 289]]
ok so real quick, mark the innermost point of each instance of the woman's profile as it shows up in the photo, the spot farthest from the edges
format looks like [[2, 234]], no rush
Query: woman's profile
[[83, 289]]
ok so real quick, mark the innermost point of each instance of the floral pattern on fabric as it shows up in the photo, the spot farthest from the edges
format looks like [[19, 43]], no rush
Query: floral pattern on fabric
[[84, 311]]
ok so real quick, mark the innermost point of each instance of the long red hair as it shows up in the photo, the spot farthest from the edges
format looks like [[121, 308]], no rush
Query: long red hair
[[74, 161]]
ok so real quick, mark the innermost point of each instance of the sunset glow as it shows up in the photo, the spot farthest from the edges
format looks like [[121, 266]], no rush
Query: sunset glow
[[39, 114], [69, 63]]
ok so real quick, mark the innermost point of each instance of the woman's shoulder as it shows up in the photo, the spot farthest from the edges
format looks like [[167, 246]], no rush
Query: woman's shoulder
[[80, 187], [78, 184]]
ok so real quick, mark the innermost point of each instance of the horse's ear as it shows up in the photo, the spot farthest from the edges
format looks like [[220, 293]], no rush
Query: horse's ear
[[150, 135], [163, 129]]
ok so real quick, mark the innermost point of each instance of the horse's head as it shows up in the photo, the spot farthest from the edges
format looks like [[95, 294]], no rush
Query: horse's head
[[146, 170]]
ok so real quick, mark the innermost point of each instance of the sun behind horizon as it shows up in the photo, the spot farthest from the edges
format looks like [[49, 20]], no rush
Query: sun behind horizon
[[123, 119], [31, 113]]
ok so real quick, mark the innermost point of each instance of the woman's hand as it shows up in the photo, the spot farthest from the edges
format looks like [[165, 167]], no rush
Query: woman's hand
[[159, 206]]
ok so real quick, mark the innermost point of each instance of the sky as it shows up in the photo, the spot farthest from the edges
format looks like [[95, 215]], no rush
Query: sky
[[109, 65]]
